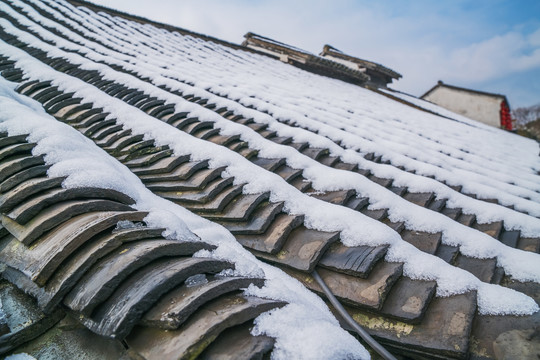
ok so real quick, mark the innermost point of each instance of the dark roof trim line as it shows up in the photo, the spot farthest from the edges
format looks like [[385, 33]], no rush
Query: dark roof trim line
[[332, 51], [251, 35], [252, 39]]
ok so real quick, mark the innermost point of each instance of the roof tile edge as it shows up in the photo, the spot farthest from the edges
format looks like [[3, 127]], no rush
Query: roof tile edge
[[260, 43], [329, 50]]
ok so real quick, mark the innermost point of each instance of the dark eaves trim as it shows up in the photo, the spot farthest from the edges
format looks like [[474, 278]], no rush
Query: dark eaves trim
[[265, 39], [441, 84], [252, 39], [143, 20], [305, 60], [310, 60], [332, 51]]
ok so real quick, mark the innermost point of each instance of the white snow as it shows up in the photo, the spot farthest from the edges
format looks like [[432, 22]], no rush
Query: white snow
[[414, 140], [473, 183], [84, 164], [355, 228]]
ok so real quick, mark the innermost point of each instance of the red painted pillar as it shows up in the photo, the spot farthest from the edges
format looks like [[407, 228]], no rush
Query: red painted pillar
[[506, 118]]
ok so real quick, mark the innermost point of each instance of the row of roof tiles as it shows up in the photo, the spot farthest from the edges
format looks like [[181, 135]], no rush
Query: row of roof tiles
[[273, 235]]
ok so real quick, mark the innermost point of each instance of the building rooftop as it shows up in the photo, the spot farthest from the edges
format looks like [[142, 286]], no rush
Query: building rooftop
[[440, 83], [331, 51], [148, 175], [304, 59]]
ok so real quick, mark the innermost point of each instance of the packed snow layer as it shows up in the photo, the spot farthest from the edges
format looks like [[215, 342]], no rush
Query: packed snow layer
[[473, 243], [355, 228], [84, 164], [192, 47], [161, 73]]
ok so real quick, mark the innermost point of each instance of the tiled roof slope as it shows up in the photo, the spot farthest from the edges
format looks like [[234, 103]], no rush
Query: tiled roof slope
[[86, 253], [340, 180]]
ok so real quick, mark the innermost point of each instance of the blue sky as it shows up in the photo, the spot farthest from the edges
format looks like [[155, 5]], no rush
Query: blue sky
[[486, 45]]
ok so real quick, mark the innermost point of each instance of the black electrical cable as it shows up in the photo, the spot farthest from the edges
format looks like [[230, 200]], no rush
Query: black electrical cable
[[357, 328]]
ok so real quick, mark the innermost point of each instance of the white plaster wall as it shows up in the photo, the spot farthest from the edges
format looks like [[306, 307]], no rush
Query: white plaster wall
[[479, 107]]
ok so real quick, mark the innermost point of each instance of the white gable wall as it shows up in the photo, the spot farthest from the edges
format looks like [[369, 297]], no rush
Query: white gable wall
[[484, 108]]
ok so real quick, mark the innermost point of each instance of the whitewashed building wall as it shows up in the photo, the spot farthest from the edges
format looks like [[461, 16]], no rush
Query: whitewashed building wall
[[484, 108]]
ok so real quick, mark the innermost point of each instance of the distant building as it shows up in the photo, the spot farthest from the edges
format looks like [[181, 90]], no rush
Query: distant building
[[488, 108], [380, 76]]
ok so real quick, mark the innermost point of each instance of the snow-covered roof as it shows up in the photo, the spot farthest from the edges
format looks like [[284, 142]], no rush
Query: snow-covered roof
[[420, 224]]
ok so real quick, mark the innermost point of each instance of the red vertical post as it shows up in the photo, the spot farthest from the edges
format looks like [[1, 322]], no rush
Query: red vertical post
[[505, 117]]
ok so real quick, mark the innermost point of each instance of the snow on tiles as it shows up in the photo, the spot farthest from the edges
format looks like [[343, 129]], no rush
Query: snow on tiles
[[355, 228], [85, 164], [269, 103], [485, 212], [484, 186]]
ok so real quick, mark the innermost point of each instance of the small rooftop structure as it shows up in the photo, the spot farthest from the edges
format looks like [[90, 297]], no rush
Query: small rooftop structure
[[488, 108], [379, 75], [304, 60]]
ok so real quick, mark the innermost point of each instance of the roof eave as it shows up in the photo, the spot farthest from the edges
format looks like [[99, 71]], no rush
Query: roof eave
[[329, 50]]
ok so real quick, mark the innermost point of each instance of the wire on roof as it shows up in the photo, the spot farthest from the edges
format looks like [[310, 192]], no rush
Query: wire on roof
[[345, 315]]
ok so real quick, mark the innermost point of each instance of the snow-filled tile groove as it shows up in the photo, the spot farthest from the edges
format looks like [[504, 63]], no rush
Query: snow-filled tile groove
[[87, 243], [431, 242], [88, 249]]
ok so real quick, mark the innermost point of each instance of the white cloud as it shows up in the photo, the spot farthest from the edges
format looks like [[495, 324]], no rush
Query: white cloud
[[497, 56], [534, 38]]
